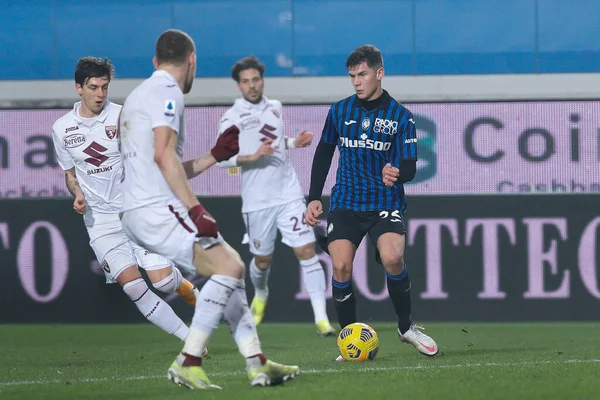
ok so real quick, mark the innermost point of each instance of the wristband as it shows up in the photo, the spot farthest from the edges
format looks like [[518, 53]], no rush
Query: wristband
[[289, 143]]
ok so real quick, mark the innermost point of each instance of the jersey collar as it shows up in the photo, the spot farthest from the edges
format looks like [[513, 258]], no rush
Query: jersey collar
[[382, 102], [165, 74], [244, 104], [89, 121]]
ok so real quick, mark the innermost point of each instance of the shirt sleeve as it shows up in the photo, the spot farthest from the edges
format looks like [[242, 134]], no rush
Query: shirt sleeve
[[330, 134], [405, 146], [225, 123], [62, 155], [166, 108]]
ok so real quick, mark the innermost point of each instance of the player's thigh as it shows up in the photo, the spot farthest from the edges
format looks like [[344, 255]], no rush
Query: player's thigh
[[388, 233], [113, 250], [219, 258], [261, 231], [156, 266], [345, 225], [295, 232]]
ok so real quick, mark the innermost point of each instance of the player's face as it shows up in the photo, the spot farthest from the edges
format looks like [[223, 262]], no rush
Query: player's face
[[94, 93], [366, 81], [191, 73], [251, 85]]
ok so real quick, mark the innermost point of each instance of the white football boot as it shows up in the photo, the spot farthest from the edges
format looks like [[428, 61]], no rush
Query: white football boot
[[423, 343]]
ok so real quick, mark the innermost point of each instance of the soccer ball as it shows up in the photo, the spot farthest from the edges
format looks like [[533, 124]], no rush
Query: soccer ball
[[358, 342]]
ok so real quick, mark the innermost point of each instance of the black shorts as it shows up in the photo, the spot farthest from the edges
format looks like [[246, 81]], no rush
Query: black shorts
[[354, 225]]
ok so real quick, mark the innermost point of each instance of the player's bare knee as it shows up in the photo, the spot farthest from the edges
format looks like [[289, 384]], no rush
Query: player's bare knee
[[128, 274], [342, 267], [305, 252], [392, 258], [157, 275], [263, 262]]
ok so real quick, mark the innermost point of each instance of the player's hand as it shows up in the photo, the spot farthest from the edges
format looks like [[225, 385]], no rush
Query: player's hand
[[313, 212], [205, 223], [79, 205], [227, 144], [390, 174], [303, 139], [265, 149]]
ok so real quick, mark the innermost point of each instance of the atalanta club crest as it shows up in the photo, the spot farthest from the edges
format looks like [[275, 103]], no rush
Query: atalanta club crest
[[366, 123], [111, 131]]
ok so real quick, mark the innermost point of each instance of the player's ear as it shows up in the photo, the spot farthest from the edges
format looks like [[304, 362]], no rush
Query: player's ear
[[380, 74], [155, 62], [79, 89], [192, 59]]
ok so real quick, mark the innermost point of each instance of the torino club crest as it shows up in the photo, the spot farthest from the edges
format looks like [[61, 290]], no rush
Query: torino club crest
[[111, 131]]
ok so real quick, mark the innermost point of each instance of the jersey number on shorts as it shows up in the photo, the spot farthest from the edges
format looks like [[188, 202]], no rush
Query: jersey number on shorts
[[296, 220], [395, 215]]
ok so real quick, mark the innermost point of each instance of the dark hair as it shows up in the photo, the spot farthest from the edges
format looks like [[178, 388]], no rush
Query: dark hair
[[368, 53], [93, 67], [245, 63], [173, 46]]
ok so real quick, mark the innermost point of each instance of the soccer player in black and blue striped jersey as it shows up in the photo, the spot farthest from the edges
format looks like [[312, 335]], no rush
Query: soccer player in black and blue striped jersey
[[376, 139]]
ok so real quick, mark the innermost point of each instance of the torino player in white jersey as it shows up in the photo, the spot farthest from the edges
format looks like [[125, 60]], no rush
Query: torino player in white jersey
[[86, 145], [161, 213], [271, 192]]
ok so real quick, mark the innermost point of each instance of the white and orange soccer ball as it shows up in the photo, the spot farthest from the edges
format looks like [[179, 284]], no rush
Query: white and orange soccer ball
[[358, 342]]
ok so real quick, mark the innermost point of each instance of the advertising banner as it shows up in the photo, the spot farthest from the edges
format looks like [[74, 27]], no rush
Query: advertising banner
[[471, 258], [463, 148]]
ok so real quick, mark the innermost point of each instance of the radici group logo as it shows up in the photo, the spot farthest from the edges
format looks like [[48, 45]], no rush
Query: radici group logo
[[426, 149]]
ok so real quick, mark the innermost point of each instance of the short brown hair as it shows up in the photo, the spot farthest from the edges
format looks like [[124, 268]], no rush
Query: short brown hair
[[173, 46], [365, 53], [245, 63]]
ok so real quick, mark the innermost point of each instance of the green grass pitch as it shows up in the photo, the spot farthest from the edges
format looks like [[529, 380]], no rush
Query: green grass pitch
[[478, 361]]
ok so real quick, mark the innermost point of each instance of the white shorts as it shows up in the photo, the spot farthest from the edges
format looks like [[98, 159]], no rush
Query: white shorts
[[167, 231], [115, 252], [262, 225]]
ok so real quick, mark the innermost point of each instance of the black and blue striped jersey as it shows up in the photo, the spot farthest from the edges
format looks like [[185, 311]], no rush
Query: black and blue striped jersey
[[367, 140]]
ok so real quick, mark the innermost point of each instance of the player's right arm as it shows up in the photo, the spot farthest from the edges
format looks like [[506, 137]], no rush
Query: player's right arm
[[165, 156], [66, 163], [320, 169], [240, 159]]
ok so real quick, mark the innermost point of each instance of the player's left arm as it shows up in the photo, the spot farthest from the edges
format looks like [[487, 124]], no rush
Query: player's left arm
[[402, 160], [227, 146], [302, 139]]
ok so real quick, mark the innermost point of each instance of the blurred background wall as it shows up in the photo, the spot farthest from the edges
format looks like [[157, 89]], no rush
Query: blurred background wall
[[502, 221]]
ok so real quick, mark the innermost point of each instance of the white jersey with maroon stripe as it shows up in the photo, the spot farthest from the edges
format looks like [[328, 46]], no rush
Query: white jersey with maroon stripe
[[90, 145], [270, 181]]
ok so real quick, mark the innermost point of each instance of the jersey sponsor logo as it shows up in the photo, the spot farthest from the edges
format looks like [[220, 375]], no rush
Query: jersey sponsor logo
[[365, 143], [410, 140], [249, 123], [268, 130], [170, 108], [111, 131], [98, 170], [71, 129], [385, 126], [75, 140], [95, 150]]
